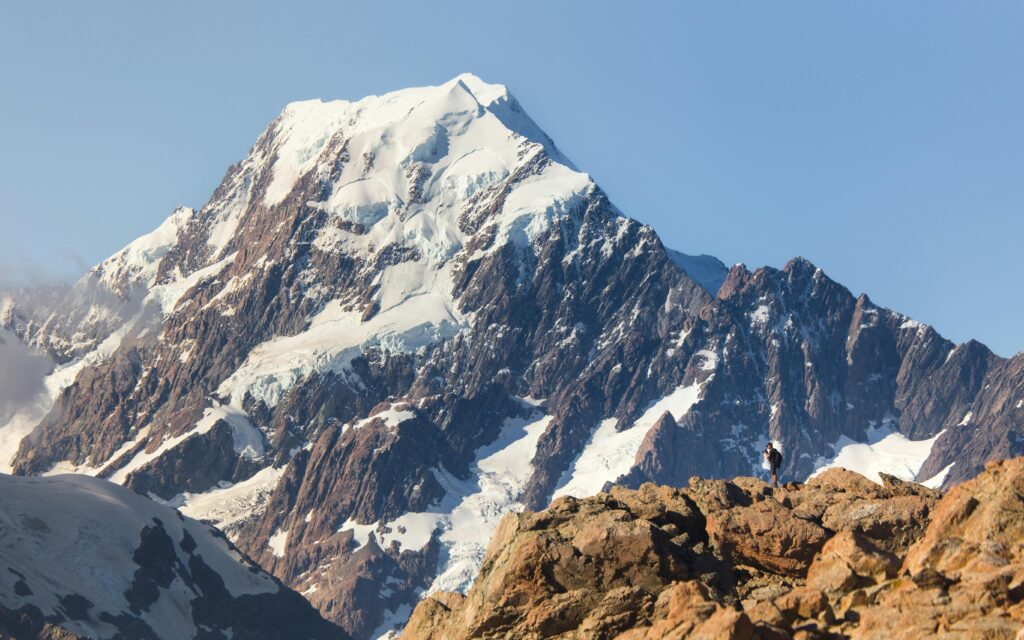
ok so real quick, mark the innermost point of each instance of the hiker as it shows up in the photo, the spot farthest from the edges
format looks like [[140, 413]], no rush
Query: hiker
[[774, 459]]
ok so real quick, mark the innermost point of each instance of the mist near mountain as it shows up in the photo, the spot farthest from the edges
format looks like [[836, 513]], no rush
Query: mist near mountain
[[21, 376]]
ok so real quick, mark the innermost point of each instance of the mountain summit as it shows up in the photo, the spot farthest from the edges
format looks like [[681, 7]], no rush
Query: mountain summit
[[400, 318]]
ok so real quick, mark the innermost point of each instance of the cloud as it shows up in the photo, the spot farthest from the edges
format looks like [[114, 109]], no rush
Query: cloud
[[21, 374]]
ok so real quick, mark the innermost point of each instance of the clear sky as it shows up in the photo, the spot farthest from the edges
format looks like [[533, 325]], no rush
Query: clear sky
[[884, 141]]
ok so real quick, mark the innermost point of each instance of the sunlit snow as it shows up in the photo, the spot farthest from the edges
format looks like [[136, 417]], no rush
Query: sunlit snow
[[886, 451], [227, 506], [610, 453], [335, 337]]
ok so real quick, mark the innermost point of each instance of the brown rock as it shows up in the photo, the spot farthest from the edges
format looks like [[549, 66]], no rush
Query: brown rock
[[799, 604], [897, 487], [906, 611], [839, 480], [671, 509], [632, 565], [965, 577], [618, 611], [717, 495], [892, 523], [588, 568], [768, 536], [849, 561], [977, 527], [687, 610], [432, 614], [894, 516]]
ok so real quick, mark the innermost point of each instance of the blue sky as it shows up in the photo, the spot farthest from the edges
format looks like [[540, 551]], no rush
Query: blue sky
[[884, 141]]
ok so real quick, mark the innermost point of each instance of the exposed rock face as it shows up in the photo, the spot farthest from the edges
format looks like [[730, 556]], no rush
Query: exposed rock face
[[84, 558], [966, 575], [849, 561], [766, 535], [404, 314], [553, 574], [590, 569], [798, 353]]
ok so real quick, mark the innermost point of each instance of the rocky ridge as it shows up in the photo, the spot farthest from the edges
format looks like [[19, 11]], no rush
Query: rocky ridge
[[837, 557]]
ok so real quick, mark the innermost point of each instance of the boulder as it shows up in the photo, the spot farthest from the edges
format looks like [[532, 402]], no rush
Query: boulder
[[897, 487], [768, 536], [893, 515], [850, 561], [802, 603], [892, 523], [840, 480], [978, 527], [688, 610], [717, 495]]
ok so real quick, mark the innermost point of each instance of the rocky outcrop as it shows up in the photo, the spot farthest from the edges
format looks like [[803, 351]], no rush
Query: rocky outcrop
[[768, 536], [739, 560], [965, 577], [593, 568]]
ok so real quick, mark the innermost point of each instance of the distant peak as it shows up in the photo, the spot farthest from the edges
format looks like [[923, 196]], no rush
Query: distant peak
[[798, 264], [484, 92]]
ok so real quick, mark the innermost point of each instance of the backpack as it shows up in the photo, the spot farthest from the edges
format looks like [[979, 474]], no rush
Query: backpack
[[775, 457]]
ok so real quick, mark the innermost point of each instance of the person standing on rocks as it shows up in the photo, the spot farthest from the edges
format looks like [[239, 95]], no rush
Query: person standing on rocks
[[774, 459]]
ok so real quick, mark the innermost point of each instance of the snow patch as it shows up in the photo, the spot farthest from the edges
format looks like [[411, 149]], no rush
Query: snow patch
[[886, 451], [391, 627], [502, 470], [140, 260], [247, 439], [611, 453], [936, 481], [278, 543], [392, 417], [470, 511], [228, 506], [365, 201], [911, 324], [335, 337], [760, 316], [710, 359], [168, 294]]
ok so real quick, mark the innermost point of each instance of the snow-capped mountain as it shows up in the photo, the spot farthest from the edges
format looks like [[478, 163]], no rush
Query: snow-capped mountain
[[86, 557], [399, 318]]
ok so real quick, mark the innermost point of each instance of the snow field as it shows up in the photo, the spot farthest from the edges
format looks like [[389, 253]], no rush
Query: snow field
[[885, 451], [610, 453]]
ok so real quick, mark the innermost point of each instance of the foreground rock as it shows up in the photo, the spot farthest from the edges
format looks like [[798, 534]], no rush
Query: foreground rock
[[837, 557]]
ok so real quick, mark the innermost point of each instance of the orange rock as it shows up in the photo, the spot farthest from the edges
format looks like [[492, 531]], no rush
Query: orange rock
[[977, 527], [768, 536], [849, 561], [687, 610], [670, 563]]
